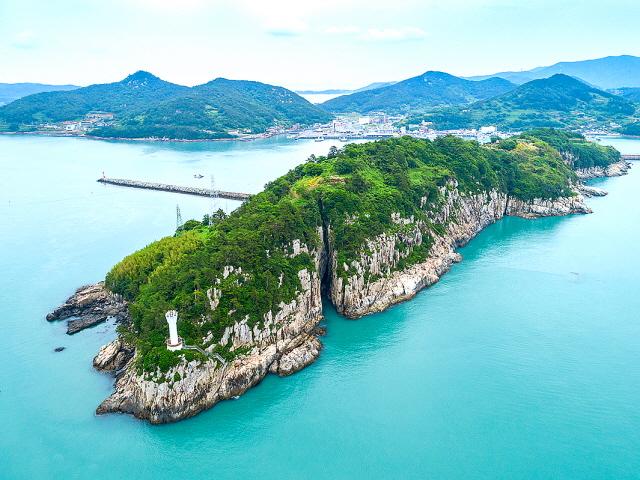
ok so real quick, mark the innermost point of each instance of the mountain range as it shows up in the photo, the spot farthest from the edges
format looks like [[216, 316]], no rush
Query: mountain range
[[13, 91], [147, 106], [143, 105], [431, 89], [605, 73], [558, 101]]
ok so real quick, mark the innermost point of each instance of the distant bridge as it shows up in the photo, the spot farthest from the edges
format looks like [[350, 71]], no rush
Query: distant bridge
[[202, 192], [631, 157]]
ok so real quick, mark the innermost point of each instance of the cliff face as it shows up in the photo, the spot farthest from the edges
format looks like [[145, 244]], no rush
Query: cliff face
[[284, 343], [614, 170], [464, 216]]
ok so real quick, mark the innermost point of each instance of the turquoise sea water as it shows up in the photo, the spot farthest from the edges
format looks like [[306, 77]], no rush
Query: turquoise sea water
[[523, 362]]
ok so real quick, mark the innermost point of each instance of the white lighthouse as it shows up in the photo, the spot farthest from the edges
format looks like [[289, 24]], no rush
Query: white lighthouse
[[174, 342]]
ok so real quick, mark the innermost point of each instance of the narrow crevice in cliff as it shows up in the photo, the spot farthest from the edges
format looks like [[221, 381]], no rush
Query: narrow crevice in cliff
[[325, 265]]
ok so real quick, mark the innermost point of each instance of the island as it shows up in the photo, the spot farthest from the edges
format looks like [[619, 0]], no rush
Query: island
[[207, 313], [143, 106]]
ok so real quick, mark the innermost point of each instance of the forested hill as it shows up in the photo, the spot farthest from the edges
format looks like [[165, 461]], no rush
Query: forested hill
[[558, 101], [420, 93], [146, 106], [355, 194], [579, 152]]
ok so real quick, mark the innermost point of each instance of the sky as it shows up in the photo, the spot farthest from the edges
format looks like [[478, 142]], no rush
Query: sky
[[303, 44]]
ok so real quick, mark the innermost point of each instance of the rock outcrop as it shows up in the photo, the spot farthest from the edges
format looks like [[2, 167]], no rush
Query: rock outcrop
[[614, 170], [539, 207], [113, 356], [91, 304], [588, 191]]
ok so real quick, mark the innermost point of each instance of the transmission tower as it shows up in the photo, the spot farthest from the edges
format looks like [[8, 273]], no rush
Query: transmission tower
[[178, 217], [214, 196]]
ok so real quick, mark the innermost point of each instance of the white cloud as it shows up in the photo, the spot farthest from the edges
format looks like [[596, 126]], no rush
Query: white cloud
[[394, 34]]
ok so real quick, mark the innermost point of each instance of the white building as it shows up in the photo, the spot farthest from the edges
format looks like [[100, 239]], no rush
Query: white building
[[489, 130], [174, 342]]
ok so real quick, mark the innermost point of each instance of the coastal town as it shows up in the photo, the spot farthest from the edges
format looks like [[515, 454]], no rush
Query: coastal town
[[345, 128], [379, 125]]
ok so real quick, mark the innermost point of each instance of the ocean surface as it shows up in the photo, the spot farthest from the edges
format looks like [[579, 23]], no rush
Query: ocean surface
[[522, 362], [319, 97]]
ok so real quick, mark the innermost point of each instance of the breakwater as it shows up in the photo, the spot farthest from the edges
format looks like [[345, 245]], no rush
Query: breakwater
[[164, 187]]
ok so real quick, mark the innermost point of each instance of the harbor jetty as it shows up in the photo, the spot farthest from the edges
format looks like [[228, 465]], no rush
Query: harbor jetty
[[164, 187]]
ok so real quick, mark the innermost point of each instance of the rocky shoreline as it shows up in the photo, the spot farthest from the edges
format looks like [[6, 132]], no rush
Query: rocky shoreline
[[614, 170], [287, 340], [89, 306]]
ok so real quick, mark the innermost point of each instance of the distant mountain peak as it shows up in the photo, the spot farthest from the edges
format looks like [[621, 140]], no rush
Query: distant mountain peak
[[604, 73], [562, 81], [141, 77], [561, 78], [436, 73], [428, 90]]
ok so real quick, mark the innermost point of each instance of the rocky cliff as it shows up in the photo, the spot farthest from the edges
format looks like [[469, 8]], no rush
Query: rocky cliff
[[89, 306], [613, 170], [372, 282], [283, 343]]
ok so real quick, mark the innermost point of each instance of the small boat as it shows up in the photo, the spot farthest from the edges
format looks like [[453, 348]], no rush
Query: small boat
[[197, 175]]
